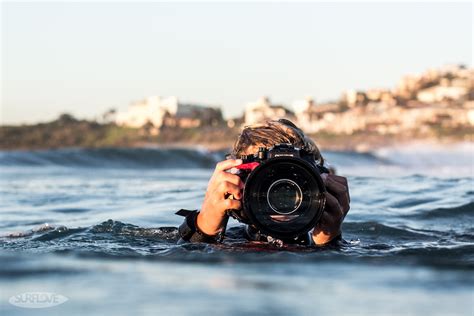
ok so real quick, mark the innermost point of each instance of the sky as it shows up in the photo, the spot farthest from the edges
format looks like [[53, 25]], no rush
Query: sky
[[86, 57]]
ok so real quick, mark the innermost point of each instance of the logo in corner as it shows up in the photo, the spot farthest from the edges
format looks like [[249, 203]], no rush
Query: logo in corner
[[37, 299]]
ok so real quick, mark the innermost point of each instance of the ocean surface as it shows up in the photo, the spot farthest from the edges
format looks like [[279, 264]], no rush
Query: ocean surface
[[98, 228]]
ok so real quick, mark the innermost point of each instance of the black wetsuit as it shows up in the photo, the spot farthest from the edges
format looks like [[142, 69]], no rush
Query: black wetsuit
[[189, 231]]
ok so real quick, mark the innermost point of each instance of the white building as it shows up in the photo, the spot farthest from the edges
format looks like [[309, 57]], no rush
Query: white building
[[303, 106], [161, 111], [262, 110], [311, 117], [354, 98], [441, 93], [152, 109]]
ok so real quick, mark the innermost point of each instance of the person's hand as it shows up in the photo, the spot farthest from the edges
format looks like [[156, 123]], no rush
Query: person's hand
[[337, 207], [224, 191]]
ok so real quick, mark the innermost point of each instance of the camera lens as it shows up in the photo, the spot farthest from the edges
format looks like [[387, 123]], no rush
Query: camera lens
[[284, 196]]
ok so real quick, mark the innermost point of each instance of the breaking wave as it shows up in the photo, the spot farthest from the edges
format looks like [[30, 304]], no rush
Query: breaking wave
[[151, 158], [112, 158]]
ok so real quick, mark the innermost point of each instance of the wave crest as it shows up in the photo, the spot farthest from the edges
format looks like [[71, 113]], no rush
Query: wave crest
[[113, 158]]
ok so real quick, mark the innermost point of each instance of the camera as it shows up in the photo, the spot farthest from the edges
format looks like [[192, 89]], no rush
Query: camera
[[283, 196]]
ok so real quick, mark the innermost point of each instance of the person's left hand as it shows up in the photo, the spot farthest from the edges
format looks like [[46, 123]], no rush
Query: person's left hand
[[336, 209]]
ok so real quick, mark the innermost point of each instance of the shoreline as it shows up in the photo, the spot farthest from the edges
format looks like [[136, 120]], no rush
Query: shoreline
[[67, 132], [85, 134], [324, 145], [361, 143]]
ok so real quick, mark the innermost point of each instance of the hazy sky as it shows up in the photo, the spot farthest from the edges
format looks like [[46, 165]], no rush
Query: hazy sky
[[84, 58]]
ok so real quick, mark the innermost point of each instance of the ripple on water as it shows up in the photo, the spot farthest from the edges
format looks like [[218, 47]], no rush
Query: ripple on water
[[377, 243]]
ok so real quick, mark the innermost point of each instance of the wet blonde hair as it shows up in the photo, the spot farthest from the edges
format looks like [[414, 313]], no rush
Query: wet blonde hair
[[274, 132]]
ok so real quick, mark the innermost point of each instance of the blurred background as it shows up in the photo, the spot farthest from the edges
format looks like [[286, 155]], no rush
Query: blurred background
[[161, 73], [114, 114]]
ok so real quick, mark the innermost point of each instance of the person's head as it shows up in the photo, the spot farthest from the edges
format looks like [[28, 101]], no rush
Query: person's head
[[269, 134]]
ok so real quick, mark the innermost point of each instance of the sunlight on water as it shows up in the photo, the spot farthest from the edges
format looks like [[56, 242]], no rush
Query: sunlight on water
[[98, 227]]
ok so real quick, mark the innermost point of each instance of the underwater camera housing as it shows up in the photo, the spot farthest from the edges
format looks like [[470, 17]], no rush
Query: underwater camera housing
[[283, 196]]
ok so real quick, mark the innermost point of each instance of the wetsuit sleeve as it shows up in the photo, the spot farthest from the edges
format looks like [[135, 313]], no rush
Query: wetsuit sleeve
[[188, 230]]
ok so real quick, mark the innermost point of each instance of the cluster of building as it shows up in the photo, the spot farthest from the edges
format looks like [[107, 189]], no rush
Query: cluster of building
[[441, 97], [159, 112]]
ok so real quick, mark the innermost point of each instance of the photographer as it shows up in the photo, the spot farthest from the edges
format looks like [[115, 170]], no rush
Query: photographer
[[224, 190]]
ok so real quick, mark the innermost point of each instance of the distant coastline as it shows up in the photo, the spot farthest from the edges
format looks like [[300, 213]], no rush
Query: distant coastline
[[68, 132], [436, 106]]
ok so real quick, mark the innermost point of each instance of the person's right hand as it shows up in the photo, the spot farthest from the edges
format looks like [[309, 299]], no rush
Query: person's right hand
[[221, 187]]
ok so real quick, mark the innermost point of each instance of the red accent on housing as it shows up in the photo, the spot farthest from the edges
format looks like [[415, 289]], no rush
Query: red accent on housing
[[248, 166]]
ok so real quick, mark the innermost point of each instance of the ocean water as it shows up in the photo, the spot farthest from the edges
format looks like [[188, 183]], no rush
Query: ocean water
[[98, 227]]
